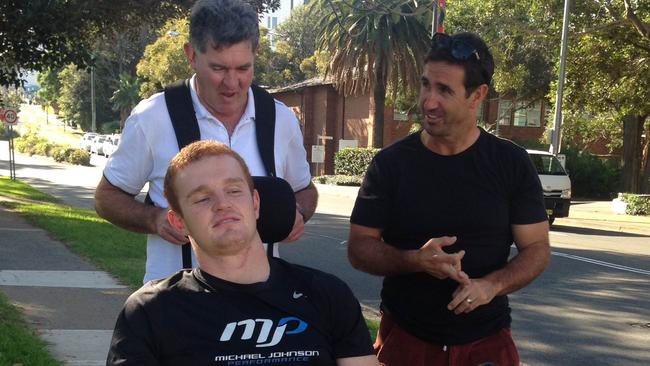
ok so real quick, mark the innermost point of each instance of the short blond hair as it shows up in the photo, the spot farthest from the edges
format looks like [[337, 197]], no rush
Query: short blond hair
[[192, 153]]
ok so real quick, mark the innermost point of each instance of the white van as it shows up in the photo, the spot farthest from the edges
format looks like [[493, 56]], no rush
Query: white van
[[555, 183]]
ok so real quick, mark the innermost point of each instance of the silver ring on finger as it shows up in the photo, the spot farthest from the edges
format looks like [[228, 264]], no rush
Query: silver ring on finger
[[469, 301]]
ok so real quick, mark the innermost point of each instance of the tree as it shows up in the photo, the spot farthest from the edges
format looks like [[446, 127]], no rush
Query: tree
[[39, 34], [126, 96], [50, 89], [295, 33], [608, 76], [373, 44], [523, 38], [74, 101], [164, 60]]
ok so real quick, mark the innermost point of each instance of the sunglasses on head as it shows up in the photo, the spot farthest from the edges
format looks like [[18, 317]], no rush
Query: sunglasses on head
[[460, 50]]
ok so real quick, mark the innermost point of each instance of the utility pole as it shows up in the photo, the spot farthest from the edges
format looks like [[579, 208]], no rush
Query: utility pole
[[93, 125], [557, 125]]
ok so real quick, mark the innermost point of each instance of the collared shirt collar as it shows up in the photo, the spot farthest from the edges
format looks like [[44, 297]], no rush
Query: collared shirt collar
[[203, 113]]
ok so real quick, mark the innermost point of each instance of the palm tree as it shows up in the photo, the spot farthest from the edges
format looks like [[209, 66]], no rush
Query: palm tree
[[125, 96], [374, 44]]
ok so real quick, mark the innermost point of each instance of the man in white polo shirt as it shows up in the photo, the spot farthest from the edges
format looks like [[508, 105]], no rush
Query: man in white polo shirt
[[224, 37]]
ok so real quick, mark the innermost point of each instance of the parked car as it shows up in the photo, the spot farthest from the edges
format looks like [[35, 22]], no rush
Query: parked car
[[86, 140], [110, 145], [97, 146], [555, 183]]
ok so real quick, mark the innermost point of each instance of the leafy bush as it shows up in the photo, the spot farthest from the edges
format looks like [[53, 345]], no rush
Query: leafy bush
[[30, 143], [27, 143], [353, 161], [42, 148], [59, 154], [78, 156], [636, 204], [592, 177], [4, 132], [339, 180]]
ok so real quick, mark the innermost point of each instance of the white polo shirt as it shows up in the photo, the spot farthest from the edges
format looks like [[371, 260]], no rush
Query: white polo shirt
[[149, 143]]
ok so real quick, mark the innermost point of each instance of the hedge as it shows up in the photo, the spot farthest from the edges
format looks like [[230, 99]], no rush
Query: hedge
[[636, 204], [32, 144], [353, 161]]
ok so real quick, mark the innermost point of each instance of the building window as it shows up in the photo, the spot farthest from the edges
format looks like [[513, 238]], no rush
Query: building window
[[274, 22], [505, 109], [268, 22], [527, 114]]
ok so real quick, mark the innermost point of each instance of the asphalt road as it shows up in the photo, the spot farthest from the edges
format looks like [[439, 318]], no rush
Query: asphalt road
[[591, 307]]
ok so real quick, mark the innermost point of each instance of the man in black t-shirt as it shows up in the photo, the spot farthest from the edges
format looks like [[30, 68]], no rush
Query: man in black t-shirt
[[238, 307], [437, 214]]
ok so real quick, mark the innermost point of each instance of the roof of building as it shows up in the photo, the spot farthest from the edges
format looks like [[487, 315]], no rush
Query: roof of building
[[317, 81]]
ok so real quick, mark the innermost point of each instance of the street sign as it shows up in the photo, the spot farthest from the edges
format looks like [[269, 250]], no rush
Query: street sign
[[321, 137], [344, 144], [10, 116], [318, 154]]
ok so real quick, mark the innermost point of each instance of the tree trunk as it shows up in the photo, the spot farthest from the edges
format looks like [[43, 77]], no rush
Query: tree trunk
[[645, 161], [379, 95], [632, 127]]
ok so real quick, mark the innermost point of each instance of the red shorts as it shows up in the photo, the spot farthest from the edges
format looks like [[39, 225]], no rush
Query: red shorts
[[396, 347]]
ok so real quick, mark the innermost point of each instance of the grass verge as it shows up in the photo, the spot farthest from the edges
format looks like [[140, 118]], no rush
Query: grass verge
[[119, 252], [18, 344]]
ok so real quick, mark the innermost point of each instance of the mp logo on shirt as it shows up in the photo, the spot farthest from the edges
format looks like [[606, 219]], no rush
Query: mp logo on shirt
[[288, 325]]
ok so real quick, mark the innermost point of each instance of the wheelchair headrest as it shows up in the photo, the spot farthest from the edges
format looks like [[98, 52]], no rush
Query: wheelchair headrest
[[277, 208]]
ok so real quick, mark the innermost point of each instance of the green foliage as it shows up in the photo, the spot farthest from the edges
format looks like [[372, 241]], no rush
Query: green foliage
[[164, 61], [353, 161], [523, 37], [636, 204], [126, 96], [590, 176], [11, 97], [31, 143], [339, 180], [275, 68], [315, 65], [78, 157], [74, 98], [19, 345], [50, 86], [61, 153], [110, 127], [27, 143], [42, 148], [4, 132]]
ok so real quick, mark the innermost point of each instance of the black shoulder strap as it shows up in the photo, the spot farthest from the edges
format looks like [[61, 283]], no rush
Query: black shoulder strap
[[181, 111], [265, 133], [178, 98], [265, 127]]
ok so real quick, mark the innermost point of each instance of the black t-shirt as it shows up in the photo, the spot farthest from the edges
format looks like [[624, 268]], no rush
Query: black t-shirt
[[299, 316], [414, 194]]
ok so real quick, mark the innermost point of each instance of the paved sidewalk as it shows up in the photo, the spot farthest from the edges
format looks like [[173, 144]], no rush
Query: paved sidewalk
[[70, 304]]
